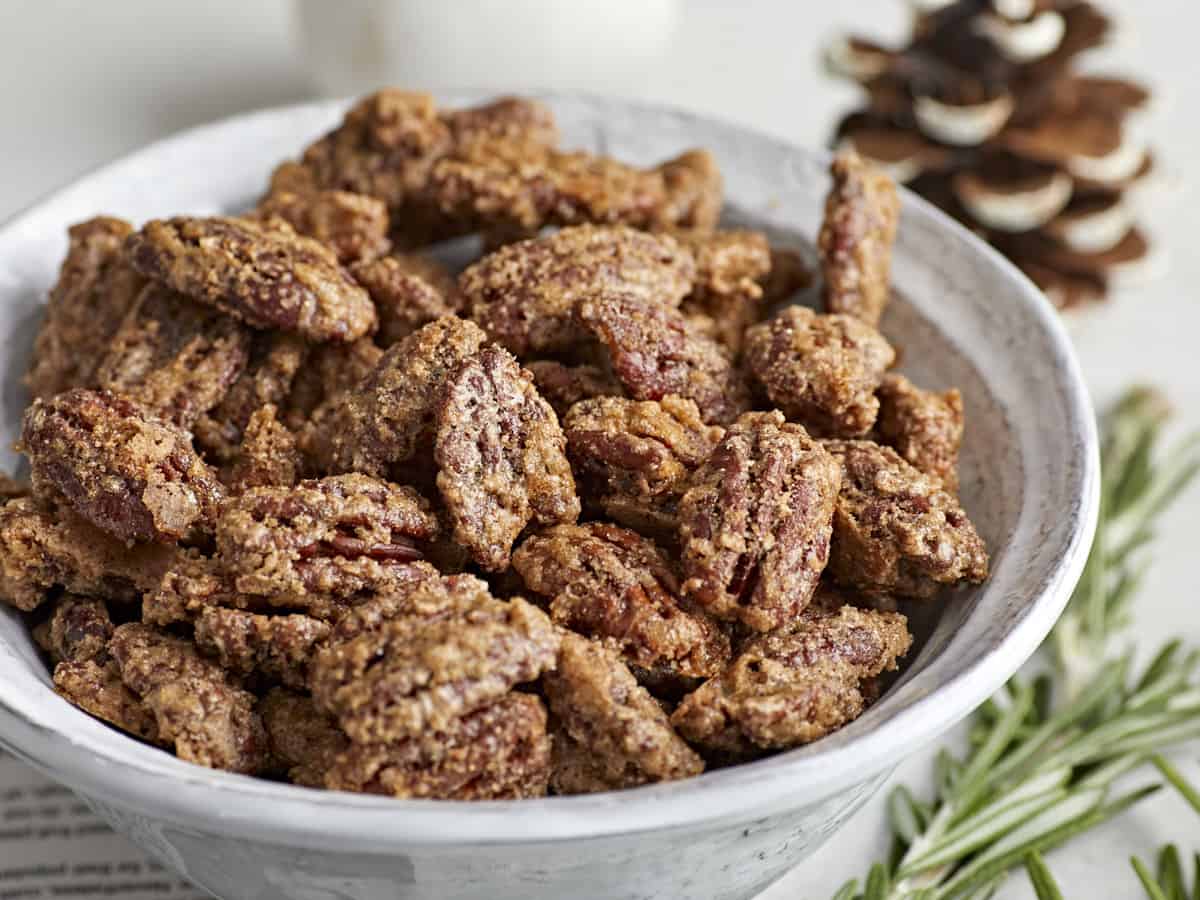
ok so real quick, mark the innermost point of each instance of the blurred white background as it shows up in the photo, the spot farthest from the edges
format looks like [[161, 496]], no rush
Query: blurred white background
[[82, 82]]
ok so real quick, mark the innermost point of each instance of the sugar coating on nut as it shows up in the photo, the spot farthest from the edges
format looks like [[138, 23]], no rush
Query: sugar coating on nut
[[45, 545], [626, 735], [460, 650], [653, 352], [862, 211], [408, 290], [924, 427], [896, 530], [354, 226], [616, 586], [338, 536], [498, 752], [632, 459], [729, 267], [176, 358], [264, 274], [821, 371], [755, 524], [197, 709], [523, 295], [96, 287], [562, 385], [275, 360], [394, 412], [501, 457], [130, 473], [796, 684]]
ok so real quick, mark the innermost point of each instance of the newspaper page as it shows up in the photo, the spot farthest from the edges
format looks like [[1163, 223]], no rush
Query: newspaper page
[[53, 845]]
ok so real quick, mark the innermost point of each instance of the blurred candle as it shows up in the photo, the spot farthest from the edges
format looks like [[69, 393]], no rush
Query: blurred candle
[[602, 46]]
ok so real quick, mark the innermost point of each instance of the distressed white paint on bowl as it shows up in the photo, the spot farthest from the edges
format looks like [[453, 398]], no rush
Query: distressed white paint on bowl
[[963, 316]]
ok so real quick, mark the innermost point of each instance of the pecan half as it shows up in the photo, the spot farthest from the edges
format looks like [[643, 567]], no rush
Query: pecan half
[[756, 522], [418, 672], [336, 537], [861, 215], [523, 295], [653, 352], [96, 287], [615, 585], [501, 457], [821, 371], [896, 530], [130, 473], [626, 735], [498, 752], [795, 684], [266, 275]]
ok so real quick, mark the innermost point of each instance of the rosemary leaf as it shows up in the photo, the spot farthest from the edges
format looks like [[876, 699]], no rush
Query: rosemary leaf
[[1040, 876], [1181, 784]]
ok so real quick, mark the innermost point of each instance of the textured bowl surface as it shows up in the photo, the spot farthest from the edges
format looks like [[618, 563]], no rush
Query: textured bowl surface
[[962, 317]]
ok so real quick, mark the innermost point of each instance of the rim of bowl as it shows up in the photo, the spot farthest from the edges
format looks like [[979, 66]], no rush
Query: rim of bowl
[[146, 780]]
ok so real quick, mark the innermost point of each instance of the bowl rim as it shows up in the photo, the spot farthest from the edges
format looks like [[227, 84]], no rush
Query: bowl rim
[[169, 789]]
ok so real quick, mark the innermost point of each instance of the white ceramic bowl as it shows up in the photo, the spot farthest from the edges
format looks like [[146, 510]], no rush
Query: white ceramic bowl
[[963, 316]]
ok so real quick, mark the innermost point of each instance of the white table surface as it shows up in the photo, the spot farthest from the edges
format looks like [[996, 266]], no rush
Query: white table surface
[[81, 83]]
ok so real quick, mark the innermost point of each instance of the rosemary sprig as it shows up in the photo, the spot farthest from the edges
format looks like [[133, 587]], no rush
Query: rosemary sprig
[[1138, 482], [1045, 754]]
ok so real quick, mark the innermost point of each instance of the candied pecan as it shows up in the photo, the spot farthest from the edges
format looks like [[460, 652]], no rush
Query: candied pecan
[[129, 473], [383, 148], [632, 458], [821, 371], [44, 545], [501, 457], [653, 351], [795, 684], [211, 724], [729, 265], [694, 191], [95, 288], [523, 295], [923, 427], [563, 386], [97, 689], [463, 649], [521, 185], [176, 358], [896, 530], [304, 740], [78, 630], [855, 243], [505, 118], [191, 584], [276, 647], [338, 537], [408, 290], [394, 413], [755, 523], [209, 720], [275, 360], [268, 456], [354, 226], [612, 584], [264, 274], [498, 752], [602, 708], [150, 657]]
